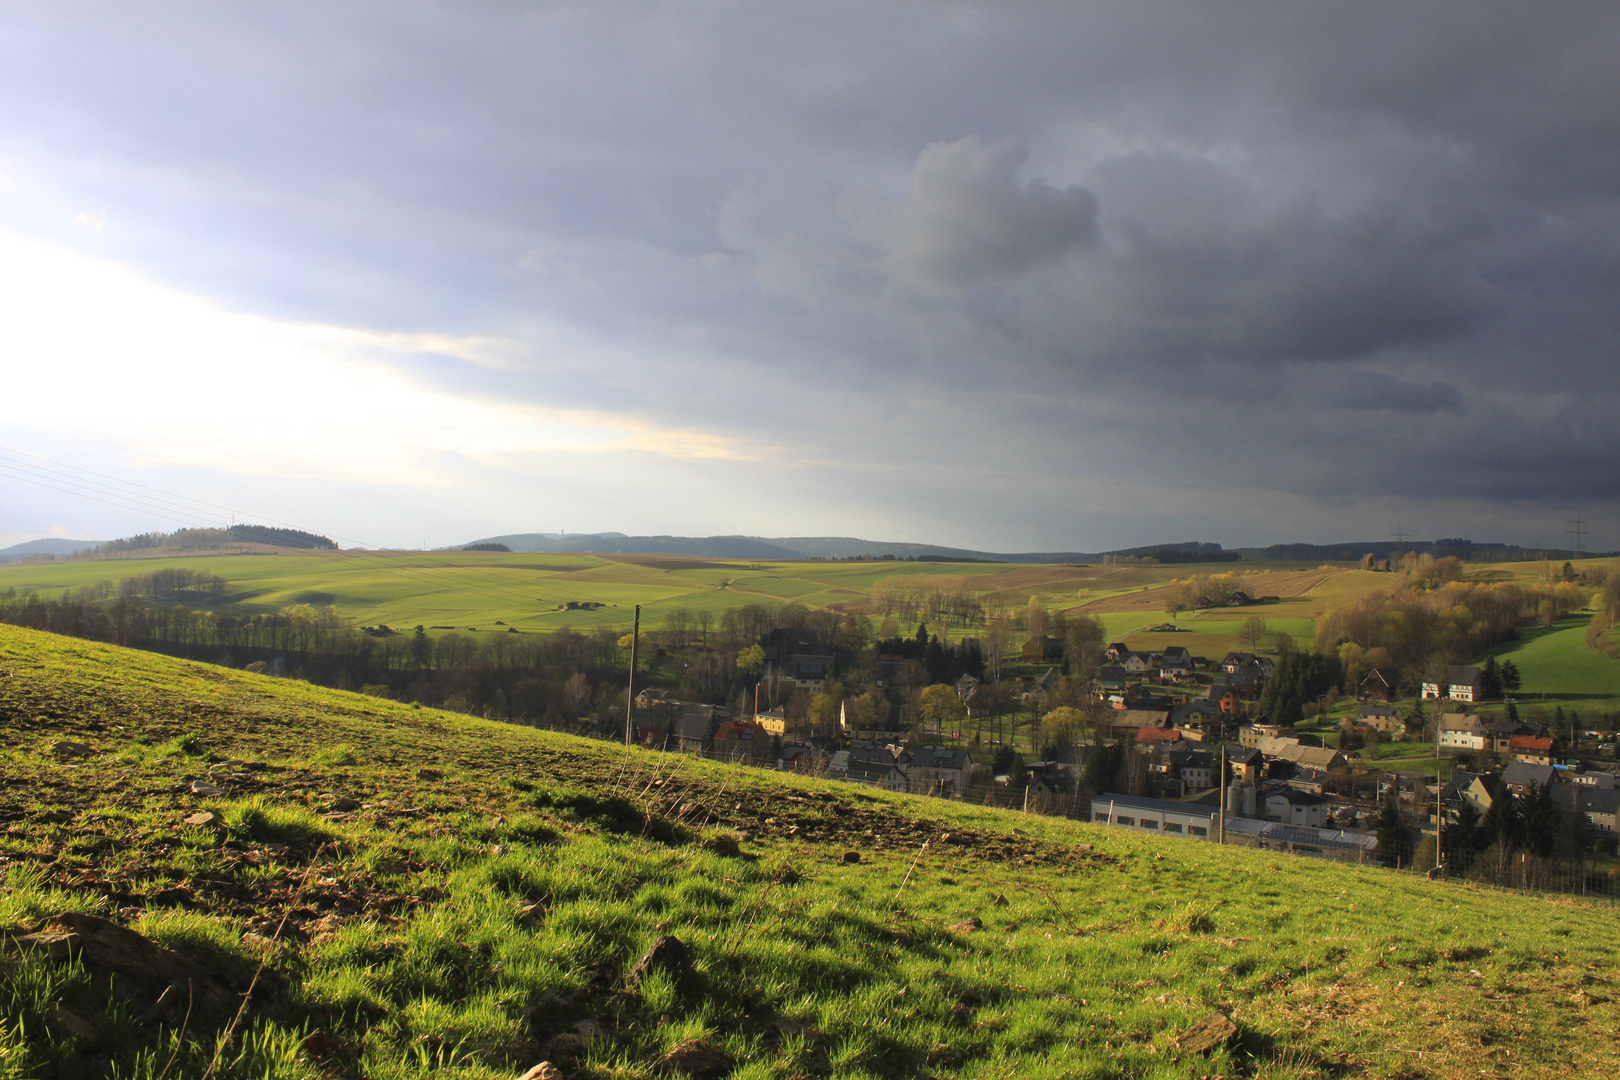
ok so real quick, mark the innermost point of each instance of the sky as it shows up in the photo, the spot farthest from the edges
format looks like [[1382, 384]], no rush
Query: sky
[[1008, 276]]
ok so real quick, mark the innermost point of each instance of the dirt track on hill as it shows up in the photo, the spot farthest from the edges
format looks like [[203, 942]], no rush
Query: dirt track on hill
[[1284, 583]]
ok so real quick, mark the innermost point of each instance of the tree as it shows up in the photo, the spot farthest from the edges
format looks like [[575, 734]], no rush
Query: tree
[[1253, 632], [421, 648], [1393, 845], [751, 660], [940, 706], [1511, 679], [1490, 678]]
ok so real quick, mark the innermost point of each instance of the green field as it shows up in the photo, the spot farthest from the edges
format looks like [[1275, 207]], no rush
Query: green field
[[1559, 668], [480, 901], [468, 589]]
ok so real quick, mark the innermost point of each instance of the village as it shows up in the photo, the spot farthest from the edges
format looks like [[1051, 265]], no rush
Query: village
[[1164, 728]]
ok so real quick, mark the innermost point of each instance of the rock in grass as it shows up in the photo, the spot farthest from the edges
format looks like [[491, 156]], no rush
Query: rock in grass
[[967, 926], [1212, 1031], [999, 901], [543, 1071], [204, 819], [67, 748], [67, 1022], [852, 857], [137, 968], [199, 787], [431, 774], [694, 1057], [666, 953]]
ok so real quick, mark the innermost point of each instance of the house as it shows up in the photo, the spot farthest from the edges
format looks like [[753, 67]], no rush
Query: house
[[1228, 698], [1531, 749], [1520, 776], [1043, 650], [1126, 723], [1137, 663], [1153, 736], [1176, 665], [1380, 684], [807, 671], [878, 774], [740, 740], [1239, 662], [1116, 651], [1195, 768], [887, 727], [1463, 731], [1194, 820], [1246, 764], [1384, 719], [773, 721], [1112, 677], [1474, 790], [1600, 806], [1314, 781], [937, 770], [1265, 736], [1291, 807], [1197, 713], [1457, 683], [1052, 790], [692, 731], [1502, 733]]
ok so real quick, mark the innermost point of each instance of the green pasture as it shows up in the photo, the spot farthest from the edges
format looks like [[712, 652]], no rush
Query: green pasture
[[482, 903], [1559, 668]]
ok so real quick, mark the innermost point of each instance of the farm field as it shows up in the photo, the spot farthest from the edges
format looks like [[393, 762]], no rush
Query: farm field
[[433, 895], [476, 588]]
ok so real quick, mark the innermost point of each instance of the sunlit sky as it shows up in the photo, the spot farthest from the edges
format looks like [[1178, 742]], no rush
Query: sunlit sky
[[1003, 276]]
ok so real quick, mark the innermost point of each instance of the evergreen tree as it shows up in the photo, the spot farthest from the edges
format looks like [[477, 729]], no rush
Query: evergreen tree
[[1511, 679], [1490, 678], [1393, 846]]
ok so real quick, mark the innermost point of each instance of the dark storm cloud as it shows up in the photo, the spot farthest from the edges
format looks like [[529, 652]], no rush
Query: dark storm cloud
[[1374, 233]]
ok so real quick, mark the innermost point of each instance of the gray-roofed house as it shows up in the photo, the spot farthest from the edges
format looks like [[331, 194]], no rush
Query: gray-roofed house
[[937, 770], [1520, 776], [1292, 807], [1457, 683], [880, 774]]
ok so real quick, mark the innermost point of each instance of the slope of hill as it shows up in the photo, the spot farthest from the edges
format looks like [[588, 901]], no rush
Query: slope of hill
[[400, 892], [49, 545]]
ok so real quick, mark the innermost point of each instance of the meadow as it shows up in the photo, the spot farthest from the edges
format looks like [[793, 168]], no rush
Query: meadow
[[530, 592], [409, 893]]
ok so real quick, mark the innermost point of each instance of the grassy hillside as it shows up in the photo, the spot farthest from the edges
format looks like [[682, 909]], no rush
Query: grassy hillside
[[421, 894], [474, 589]]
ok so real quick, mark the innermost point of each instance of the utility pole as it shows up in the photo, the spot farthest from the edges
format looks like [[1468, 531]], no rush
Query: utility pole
[[630, 687], [1221, 829]]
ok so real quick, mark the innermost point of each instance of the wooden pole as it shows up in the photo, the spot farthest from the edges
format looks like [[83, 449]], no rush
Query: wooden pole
[[1221, 834], [630, 687]]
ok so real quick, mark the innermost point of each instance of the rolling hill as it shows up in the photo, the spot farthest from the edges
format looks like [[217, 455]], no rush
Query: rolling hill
[[398, 892]]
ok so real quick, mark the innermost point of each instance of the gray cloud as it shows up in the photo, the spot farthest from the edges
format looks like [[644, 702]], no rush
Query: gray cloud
[[966, 217], [1374, 233]]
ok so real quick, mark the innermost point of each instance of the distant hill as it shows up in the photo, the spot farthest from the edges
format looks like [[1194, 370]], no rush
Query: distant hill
[[50, 545], [818, 547], [847, 547], [1467, 550]]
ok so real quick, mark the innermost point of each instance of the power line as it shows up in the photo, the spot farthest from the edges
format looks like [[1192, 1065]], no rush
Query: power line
[[1577, 530]]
